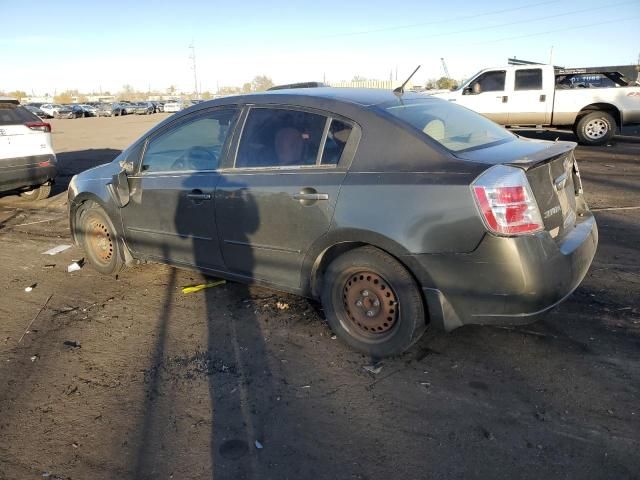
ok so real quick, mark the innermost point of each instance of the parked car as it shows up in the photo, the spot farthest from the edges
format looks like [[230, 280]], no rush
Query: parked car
[[89, 110], [172, 107], [27, 160], [397, 211], [37, 111], [144, 108], [118, 109], [129, 107], [50, 108], [534, 95], [159, 107], [69, 111], [104, 110]]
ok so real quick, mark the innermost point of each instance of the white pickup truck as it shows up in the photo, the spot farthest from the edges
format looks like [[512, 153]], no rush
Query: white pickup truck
[[595, 105]]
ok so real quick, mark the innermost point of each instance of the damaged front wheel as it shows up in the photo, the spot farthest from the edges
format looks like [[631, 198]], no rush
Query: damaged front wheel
[[98, 239]]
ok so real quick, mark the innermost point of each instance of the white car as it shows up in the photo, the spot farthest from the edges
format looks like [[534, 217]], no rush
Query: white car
[[172, 107], [27, 159], [50, 108]]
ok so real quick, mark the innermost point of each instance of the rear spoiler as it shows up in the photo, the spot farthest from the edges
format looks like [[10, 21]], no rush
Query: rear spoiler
[[298, 85]]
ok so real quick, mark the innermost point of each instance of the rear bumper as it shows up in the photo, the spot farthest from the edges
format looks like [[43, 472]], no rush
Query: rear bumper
[[22, 172], [507, 281]]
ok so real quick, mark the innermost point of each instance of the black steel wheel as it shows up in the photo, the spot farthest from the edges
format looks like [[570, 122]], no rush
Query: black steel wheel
[[373, 303]]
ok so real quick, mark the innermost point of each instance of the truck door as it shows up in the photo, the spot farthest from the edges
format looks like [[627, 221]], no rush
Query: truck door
[[486, 95], [530, 98]]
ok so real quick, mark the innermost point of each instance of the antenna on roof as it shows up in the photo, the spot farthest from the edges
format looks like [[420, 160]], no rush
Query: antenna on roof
[[400, 89]]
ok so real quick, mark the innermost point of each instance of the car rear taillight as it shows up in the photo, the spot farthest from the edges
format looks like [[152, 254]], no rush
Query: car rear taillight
[[505, 201], [40, 126]]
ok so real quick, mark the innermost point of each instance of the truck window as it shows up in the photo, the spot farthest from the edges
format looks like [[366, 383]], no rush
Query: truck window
[[529, 79], [491, 81]]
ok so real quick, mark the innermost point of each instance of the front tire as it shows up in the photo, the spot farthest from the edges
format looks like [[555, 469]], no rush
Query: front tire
[[99, 240], [595, 128], [373, 303]]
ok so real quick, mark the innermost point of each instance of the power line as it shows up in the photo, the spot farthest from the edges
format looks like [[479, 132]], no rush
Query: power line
[[563, 29], [434, 22], [528, 20]]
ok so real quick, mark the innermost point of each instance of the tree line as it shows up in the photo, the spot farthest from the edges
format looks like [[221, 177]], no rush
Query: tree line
[[259, 83]]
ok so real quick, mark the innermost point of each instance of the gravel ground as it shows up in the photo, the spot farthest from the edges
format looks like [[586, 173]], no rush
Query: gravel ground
[[128, 377]]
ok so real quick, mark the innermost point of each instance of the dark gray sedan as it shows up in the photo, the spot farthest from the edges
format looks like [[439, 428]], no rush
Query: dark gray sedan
[[397, 211]]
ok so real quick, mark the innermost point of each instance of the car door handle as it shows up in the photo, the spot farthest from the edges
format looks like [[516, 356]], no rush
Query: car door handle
[[505, 98], [197, 195], [310, 196]]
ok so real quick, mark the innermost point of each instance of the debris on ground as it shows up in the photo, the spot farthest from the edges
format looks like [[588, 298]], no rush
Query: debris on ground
[[72, 343], [259, 445], [75, 265], [202, 286], [30, 287], [282, 306], [375, 368], [56, 250], [34, 358], [50, 265], [34, 318]]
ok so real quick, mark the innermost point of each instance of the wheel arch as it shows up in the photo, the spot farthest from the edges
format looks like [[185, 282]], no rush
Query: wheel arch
[[80, 200], [600, 107], [335, 244]]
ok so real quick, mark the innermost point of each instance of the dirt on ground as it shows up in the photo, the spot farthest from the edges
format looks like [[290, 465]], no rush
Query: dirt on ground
[[127, 377]]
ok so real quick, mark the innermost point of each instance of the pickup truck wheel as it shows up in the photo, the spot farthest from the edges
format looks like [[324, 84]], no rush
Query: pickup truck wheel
[[595, 128], [38, 193], [98, 239], [373, 303]]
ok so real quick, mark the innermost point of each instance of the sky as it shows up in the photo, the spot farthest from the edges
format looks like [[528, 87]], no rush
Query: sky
[[101, 46]]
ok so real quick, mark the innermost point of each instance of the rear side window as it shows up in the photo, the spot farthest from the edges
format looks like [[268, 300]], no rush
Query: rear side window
[[337, 137], [280, 138], [452, 126], [196, 144], [15, 115], [529, 79]]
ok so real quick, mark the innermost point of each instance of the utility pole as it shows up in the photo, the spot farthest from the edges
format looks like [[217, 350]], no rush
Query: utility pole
[[192, 57]]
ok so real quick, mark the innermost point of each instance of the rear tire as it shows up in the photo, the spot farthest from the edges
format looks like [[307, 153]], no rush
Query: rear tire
[[38, 193], [373, 303], [595, 128], [97, 237]]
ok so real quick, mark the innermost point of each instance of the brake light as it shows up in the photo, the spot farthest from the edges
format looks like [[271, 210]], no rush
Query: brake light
[[505, 201], [40, 126]]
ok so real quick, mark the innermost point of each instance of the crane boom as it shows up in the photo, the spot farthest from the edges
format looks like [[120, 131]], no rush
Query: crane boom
[[444, 67]]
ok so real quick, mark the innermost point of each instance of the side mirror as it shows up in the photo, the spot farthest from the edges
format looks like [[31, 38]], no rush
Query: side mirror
[[467, 91], [127, 167], [119, 188]]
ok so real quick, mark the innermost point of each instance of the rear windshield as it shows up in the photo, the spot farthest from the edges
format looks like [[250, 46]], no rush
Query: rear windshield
[[15, 115], [452, 126]]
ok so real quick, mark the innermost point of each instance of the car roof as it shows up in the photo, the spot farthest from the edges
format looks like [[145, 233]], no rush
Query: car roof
[[360, 96]]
